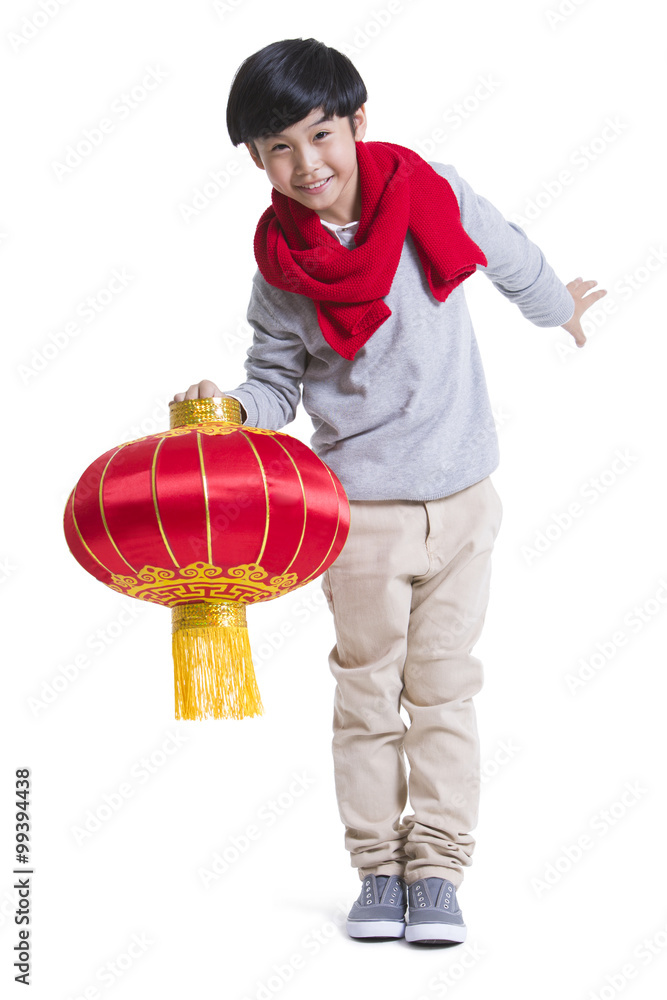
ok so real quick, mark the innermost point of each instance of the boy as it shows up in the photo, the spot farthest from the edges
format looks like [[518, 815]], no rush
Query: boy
[[357, 299]]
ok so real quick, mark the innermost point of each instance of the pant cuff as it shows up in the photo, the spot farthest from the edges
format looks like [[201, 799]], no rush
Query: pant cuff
[[388, 868], [435, 871]]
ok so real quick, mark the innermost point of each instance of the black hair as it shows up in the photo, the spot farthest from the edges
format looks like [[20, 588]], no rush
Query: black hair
[[282, 83]]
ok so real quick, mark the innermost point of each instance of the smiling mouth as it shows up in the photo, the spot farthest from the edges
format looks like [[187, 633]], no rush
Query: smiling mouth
[[316, 186]]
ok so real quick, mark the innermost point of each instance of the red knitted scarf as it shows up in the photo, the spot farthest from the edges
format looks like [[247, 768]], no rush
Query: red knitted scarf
[[399, 191]]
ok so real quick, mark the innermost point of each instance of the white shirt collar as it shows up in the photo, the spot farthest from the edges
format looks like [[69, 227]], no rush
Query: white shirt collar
[[346, 235], [336, 227]]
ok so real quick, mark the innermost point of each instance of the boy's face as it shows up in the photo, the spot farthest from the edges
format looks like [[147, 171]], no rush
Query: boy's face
[[316, 150]]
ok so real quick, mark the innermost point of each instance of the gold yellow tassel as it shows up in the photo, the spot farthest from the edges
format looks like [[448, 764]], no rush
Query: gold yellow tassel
[[213, 671]]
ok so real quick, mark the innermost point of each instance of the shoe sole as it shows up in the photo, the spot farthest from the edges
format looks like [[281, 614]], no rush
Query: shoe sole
[[435, 933], [375, 928]]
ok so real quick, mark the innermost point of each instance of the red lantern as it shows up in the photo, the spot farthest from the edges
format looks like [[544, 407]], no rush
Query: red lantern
[[205, 518]]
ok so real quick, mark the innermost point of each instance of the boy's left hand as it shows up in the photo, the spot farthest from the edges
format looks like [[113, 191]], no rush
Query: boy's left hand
[[577, 290]]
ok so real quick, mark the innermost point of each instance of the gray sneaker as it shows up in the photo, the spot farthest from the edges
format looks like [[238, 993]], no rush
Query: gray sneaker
[[434, 915], [380, 909]]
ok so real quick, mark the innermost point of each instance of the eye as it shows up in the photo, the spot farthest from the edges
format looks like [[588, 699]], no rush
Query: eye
[[282, 145]]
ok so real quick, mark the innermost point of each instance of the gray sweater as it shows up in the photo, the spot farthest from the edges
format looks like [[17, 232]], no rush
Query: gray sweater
[[409, 417]]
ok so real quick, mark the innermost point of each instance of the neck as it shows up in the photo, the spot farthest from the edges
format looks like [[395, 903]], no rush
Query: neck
[[350, 210], [341, 218]]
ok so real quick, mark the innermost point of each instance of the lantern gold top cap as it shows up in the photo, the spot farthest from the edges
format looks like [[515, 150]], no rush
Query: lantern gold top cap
[[203, 411]]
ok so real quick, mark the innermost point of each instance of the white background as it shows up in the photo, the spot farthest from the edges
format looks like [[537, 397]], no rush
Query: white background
[[563, 415]]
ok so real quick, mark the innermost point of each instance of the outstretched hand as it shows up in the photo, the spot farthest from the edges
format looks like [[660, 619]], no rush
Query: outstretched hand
[[577, 290]]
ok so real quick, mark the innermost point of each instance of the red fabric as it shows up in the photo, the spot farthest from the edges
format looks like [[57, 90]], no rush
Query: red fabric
[[399, 191], [270, 499]]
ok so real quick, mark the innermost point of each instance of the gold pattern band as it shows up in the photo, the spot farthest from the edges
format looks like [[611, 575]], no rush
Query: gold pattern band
[[200, 582], [190, 412], [207, 615]]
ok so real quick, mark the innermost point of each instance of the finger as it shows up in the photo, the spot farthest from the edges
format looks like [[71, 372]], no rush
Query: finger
[[193, 391], [593, 297], [208, 389], [179, 397]]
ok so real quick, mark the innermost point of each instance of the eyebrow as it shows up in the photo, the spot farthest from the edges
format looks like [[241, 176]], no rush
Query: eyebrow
[[277, 135]]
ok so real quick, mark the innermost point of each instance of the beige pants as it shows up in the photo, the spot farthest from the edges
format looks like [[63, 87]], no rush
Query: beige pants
[[409, 594]]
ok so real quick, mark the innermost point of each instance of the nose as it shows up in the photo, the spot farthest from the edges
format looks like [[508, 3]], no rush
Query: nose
[[306, 162]]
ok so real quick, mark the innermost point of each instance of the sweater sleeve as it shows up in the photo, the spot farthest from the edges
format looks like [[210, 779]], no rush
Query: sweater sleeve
[[515, 265], [244, 412], [275, 364]]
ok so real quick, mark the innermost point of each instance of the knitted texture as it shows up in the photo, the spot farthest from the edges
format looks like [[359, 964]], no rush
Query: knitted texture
[[399, 191]]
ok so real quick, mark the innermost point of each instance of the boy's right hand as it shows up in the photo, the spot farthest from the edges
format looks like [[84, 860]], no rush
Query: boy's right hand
[[201, 390]]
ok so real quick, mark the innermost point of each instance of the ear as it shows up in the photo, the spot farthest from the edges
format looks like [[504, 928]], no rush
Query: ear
[[256, 160], [361, 123]]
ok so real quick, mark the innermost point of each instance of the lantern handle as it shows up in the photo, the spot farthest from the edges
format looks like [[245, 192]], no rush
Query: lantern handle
[[189, 412]]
